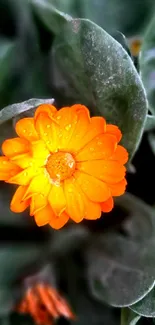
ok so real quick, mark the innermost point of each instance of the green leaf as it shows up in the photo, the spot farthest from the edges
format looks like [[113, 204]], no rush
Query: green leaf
[[147, 64], [121, 269], [150, 123], [146, 307], [102, 76], [53, 18], [139, 223], [11, 111], [7, 53], [128, 317]]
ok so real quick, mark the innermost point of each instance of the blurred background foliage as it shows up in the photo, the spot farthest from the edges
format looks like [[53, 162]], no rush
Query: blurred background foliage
[[47, 51]]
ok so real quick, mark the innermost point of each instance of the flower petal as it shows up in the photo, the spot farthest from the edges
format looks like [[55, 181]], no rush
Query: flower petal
[[105, 170], [83, 122], [26, 130], [119, 188], [24, 161], [17, 204], [40, 152], [59, 222], [25, 176], [120, 155], [95, 190], [43, 216], [108, 205], [67, 119], [46, 215], [96, 127], [57, 199], [15, 146], [38, 202], [49, 109], [114, 130], [101, 147], [74, 200], [40, 184], [91, 128], [48, 130], [92, 209], [7, 169]]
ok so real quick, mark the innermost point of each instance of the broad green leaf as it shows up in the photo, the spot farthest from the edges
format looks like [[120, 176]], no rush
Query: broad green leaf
[[150, 122], [53, 18], [146, 307], [7, 54], [126, 16], [147, 64], [128, 317], [14, 110], [101, 75], [121, 269]]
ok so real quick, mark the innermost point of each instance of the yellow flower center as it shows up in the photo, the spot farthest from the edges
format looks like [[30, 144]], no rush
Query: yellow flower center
[[60, 165]]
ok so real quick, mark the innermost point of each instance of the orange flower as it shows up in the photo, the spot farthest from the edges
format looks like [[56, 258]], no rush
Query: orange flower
[[67, 165], [44, 303]]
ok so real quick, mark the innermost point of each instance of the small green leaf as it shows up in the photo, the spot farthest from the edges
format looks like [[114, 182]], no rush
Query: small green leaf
[[53, 18], [11, 111], [146, 306], [121, 269], [102, 76], [128, 317], [147, 64]]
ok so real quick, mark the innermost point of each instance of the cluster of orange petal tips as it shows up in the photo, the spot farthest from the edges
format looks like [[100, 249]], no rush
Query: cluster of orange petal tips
[[66, 163], [44, 304]]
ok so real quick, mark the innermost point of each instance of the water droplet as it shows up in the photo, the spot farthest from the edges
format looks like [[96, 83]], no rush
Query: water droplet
[[48, 126], [45, 134], [58, 117], [67, 127], [70, 190], [99, 143], [25, 174], [91, 149], [24, 131]]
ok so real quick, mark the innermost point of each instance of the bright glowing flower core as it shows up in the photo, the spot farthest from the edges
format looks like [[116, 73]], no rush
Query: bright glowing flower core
[[60, 166]]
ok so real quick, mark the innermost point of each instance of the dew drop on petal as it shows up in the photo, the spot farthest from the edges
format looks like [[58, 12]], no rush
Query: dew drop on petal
[[67, 127]]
